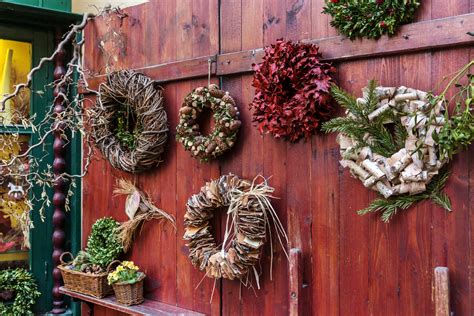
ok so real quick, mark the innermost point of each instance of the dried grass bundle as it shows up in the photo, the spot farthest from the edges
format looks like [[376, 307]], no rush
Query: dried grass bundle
[[146, 212]]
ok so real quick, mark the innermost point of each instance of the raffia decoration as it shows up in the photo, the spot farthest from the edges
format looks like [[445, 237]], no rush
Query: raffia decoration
[[145, 99], [249, 214], [226, 118], [411, 168], [146, 211]]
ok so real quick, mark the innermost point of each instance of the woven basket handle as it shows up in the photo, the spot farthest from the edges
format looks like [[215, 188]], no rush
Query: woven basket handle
[[109, 267], [66, 253]]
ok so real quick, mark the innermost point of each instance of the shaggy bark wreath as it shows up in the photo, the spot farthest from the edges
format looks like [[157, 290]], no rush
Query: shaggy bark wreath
[[250, 213], [370, 18], [292, 90], [128, 122], [226, 118]]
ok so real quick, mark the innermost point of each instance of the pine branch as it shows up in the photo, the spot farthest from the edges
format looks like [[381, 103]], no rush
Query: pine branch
[[347, 101], [391, 206]]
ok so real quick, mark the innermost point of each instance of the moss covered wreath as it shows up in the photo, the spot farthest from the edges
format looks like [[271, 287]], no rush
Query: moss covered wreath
[[21, 285], [226, 119], [250, 213], [370, 18], [128, 122]]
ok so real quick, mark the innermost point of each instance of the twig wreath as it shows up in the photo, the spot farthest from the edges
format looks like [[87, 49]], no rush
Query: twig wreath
[[128, 122], [250, 213], [370, 18], [292, 90], [226, 119], [398, 140]]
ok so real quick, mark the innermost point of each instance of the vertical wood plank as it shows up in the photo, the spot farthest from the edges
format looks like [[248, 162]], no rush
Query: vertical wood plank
[[441, 291], [295, 281]]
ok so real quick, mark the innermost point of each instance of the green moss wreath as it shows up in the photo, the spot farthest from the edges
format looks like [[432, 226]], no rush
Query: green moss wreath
[[104, 244], [23, 285], [370, 18], [226, 118]]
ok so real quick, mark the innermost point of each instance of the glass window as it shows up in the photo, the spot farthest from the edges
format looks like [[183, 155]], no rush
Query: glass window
[[15, 63]]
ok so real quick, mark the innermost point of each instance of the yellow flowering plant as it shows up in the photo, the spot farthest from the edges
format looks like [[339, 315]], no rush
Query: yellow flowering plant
[[127, 272]]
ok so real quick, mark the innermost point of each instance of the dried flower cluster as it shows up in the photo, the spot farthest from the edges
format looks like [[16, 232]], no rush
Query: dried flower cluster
[[292, 88]]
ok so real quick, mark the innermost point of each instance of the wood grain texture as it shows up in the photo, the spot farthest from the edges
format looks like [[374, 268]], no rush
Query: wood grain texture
[[351, 265], [441, 291]]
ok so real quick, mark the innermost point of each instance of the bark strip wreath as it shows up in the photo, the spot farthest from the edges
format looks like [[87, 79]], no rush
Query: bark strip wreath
[[128, 122], [226, 118], [249, 215], [387, 140], [292, 90]]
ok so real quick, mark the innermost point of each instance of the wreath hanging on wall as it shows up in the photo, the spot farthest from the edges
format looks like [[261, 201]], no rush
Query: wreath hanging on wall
[[249, 214], [226, 118], [128, 122], [397, 141], [292, 94], [20, 286], [370, 18]]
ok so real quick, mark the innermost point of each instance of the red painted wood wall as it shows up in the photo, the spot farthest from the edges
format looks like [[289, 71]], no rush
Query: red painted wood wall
[[352, 265]]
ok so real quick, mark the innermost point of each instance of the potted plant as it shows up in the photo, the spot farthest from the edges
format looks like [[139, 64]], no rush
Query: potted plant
[[87, 273], [127, 282]]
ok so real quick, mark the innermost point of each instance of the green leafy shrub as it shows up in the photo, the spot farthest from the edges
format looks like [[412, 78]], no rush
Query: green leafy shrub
[[103, 244], [22, 283]]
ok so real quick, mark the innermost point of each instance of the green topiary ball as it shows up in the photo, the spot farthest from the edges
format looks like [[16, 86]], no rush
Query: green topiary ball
[[22, 283], [103, 244]]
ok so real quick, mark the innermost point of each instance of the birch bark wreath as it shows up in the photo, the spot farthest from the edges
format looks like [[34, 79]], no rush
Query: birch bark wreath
[[226, 118], [250, 214], [128, 122], [387, 140]]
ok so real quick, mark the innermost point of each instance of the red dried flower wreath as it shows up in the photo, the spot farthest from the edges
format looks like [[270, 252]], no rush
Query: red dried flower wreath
[[292, 90]]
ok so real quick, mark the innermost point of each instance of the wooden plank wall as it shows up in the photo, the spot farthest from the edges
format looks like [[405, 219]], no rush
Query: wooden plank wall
[[352, 265]]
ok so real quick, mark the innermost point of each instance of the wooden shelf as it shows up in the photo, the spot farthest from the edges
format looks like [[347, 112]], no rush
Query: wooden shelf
[[148, 307]]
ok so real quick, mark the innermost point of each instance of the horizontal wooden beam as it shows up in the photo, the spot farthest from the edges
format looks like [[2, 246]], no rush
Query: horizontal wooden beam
[[426, 35], [439, 33]]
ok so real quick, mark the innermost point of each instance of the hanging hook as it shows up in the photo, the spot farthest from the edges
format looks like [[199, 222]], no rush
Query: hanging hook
[[211, 60]]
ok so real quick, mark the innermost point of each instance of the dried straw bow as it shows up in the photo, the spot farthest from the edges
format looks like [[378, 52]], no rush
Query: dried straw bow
[[146, 211]]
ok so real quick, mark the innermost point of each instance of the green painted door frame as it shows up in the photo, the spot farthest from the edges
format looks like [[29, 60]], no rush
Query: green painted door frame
[[42, 40]]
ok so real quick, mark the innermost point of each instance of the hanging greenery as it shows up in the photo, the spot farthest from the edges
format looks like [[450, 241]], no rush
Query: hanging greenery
[[398, 140], [370, 18], [23, 290], [226, 119], [250, 214], [103, 243], [128, 122], [292, 90]]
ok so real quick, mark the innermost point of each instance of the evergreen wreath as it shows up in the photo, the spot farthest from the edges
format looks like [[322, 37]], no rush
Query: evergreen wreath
[[104, 244], [292, 92], [250, 213], [370, 18], [387, 141], [128, 122], [226, 119], [23, 288]]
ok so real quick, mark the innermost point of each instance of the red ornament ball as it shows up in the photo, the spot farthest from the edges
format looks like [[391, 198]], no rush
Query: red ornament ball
[[292, 90]]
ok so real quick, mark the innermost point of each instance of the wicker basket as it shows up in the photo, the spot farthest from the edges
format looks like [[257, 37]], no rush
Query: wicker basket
[[129, 294], [86, 283]]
